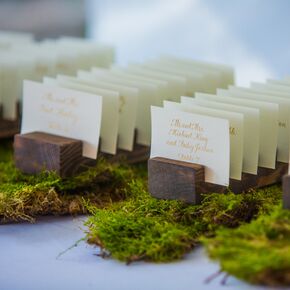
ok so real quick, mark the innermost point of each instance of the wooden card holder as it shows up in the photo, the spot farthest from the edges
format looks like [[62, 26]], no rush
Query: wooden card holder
[[286, 191], [9, 128], [38, 151], [171, 179]]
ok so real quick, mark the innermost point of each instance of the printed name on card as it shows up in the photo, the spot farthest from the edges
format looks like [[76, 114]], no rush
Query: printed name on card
[[193, 138]]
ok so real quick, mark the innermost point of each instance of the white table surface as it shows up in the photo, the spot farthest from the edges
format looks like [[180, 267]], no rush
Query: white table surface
[[28, 254]]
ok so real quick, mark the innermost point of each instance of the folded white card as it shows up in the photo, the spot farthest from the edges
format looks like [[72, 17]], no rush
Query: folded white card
[[63, 112], [268, 123], [193, 138], [110, 112], [284, 116], [251, 128], [236, 128]]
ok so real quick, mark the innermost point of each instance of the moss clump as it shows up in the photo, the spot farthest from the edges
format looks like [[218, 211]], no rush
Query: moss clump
[[258, 252], [247, 233], [23, 197], [142, 227]]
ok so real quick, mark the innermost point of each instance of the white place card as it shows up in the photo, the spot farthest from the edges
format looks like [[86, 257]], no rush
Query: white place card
[[269, 113], [236, 128], [195, 81], [251, 128], [176, 84], [193, 138], [224, 74], [127, 109], [63, 112], [162, 87], [110, 112], [149, 94], [284, 116]]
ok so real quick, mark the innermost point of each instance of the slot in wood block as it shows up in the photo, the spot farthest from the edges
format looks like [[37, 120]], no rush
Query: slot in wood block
[[37, 151], [166, 171], [286, 191], [171, 179]]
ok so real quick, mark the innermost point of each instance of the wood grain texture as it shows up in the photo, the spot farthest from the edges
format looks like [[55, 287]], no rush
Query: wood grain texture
[[264, 178], [34, 152], [171, 179], [38, 151], [286, 191]]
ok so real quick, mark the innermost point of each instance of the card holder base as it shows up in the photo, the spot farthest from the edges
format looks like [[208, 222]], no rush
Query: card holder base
[[36, 152], [286, 191], [8, 128], [177, 180]]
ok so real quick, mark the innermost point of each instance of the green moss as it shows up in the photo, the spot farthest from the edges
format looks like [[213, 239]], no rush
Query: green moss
[[23, 197], [247, 233], [135, 228], [258, 252]]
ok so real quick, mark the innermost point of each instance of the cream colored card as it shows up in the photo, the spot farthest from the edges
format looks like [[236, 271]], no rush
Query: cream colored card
[[176, 84], [284, 116], [100, 54], [129, 98], [63, 112], [236, 129], [193, 138], [213, 79], [162, 87], [269, 113], [110, 113], [127, 109], [44, 63], [224, 73], [149, 93], [195, 81], [251, 128], [9, 83], [284, 82], [271, 87]]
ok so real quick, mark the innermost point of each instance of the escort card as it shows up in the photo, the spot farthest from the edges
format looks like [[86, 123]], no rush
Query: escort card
[[63, 112], [110, 112], [195, 81], [284, 116], [236, 128], [176, 84], [127, 108], [149, 94], [268, 123], [193, 138], [226, 73], [129, 97], [251, 128]]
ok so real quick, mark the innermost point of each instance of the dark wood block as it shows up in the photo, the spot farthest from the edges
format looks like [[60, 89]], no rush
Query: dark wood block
[[286, 191], [166, 171], [37, 151], [171, 179], [139, 154], [8, 128]]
